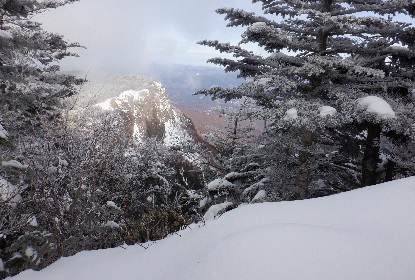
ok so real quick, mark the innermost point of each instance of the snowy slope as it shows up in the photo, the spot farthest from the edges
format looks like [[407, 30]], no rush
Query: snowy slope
[[365, 234]]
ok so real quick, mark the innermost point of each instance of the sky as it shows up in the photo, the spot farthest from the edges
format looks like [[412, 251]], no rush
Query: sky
[[128, 35]]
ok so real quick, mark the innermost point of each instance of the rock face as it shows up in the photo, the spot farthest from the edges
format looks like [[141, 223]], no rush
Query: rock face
[[145, 108]]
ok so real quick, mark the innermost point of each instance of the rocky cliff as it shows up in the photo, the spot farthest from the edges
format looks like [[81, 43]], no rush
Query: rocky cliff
[[144, 106]]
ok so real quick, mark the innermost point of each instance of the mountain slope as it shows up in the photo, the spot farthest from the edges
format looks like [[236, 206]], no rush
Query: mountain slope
[[365, 234], [144, 106]]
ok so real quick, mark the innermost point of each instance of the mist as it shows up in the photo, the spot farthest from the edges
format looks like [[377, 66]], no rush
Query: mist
[[129, 36]]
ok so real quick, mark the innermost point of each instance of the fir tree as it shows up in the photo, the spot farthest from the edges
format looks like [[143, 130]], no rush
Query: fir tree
[[334, 70]]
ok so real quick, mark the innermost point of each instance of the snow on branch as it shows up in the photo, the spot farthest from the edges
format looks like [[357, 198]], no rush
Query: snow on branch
[[3, 133], [377, 106], [14, 163]]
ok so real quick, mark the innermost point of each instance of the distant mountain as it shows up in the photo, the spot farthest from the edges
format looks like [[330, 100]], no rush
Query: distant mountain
[[144, 106], [182, 81]]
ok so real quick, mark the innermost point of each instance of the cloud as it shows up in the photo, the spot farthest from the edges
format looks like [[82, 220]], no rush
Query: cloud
[[125, 35]]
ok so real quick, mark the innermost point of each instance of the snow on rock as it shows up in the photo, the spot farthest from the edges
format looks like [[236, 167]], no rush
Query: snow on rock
[[327, 111], [1, 265], [260, 195], [367, 234], [377, 106], [174, 134], [3, 132], [291, 114], [215, 209], [218, 184], [14, 163]]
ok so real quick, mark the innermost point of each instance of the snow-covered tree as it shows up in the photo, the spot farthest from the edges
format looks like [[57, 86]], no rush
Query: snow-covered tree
[[31, 87], [334, 73]]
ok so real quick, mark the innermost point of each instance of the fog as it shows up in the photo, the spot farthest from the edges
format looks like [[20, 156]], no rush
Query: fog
[[128, 35]]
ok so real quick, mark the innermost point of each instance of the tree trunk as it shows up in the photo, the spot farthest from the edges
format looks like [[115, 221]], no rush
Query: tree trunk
[[390, 170], [371, 155], [303, 177]]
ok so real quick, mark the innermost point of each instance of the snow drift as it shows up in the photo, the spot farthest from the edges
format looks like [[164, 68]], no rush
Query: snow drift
[[366, 234]]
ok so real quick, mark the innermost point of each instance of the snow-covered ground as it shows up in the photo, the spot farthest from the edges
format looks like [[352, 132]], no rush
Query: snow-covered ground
[[365, 234]]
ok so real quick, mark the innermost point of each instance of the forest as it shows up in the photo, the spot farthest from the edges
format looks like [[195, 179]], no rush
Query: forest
[[327, 108]]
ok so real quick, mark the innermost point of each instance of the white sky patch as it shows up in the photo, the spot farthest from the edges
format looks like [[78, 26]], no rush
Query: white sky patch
[[377, 106], [141, 32]]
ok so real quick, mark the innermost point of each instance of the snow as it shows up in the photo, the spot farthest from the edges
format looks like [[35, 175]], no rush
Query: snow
[[260, 195], [14, 163], [215, 209], [106, 105], [264, 81], [5, 34], [368, 233], [8, 191], [257, 26], [235, 175], [175, 134], [291, 114], [111, 204], [3, 132], [399, 48], [33, 222], [327, 111], [112, 224], [219, 183], [204, 201], [377, 106], [29, 252], [412, 95], [1, 265]]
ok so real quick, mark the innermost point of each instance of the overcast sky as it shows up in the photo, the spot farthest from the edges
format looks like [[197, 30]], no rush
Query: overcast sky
[[126, 35]]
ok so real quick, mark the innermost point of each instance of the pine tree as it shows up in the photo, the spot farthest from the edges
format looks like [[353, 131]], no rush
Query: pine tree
[[334, 73]]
